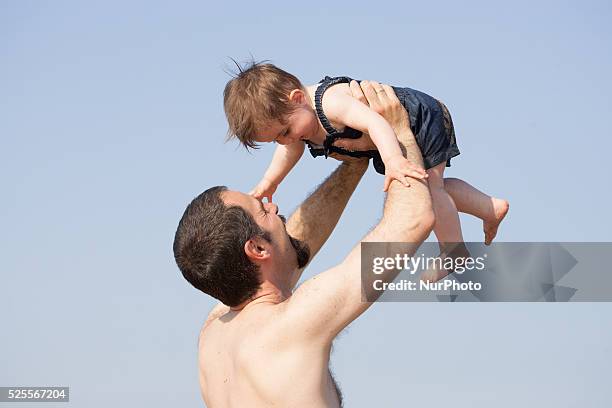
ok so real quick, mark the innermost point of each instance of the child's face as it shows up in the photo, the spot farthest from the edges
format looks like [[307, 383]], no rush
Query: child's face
[[301, 124]]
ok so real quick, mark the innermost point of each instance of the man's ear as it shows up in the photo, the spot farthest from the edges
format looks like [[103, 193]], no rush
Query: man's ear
[[257, 249], [297, 96]]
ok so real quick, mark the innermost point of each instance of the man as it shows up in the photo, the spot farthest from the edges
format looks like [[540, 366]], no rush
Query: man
[[267, 345]]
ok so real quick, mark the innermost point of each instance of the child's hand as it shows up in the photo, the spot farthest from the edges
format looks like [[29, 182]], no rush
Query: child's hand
[[265, 188], [398, 168]]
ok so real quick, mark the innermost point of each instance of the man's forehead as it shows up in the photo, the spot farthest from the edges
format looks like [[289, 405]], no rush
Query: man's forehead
[[231, 197], [238, 198]]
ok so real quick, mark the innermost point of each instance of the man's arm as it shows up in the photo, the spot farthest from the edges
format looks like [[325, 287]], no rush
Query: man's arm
[[315, 219], [325, 304]]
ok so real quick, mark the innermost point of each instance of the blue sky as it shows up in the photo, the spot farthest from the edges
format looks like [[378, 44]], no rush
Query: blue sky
[[111, 120]]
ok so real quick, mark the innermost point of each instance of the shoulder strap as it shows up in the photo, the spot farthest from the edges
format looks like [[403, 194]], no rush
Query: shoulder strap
[[379, 166], [324, 86], [332, 133]]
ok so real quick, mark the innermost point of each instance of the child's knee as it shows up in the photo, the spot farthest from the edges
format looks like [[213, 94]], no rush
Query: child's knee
[[436, 178]]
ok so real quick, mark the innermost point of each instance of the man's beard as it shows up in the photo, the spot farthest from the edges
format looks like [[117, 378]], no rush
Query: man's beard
[[302, 251]]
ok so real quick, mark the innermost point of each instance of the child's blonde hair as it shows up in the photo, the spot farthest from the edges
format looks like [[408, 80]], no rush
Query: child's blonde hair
[[257, 95]]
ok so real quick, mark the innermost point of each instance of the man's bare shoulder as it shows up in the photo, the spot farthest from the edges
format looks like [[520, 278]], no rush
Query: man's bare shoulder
[[261, 315], [288, 321], [218, 311], [266, 324]]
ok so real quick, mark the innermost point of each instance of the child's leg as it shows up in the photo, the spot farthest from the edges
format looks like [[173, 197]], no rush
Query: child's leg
[[470, 200], [447, 227]]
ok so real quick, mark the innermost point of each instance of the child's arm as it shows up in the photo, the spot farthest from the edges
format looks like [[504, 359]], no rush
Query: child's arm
[[284, 159], [342, 108]]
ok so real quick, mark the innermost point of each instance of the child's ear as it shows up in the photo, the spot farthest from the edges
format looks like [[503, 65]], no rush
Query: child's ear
[[257, 249], [297, 96]]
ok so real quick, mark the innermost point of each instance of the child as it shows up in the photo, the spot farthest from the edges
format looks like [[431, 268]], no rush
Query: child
[[266, 104]]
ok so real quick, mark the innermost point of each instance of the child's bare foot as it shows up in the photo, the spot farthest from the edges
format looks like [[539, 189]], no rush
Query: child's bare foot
[[500, 207]]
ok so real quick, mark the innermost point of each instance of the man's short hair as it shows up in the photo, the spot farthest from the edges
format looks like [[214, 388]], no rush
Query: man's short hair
[[256, 96], [209, 248]]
